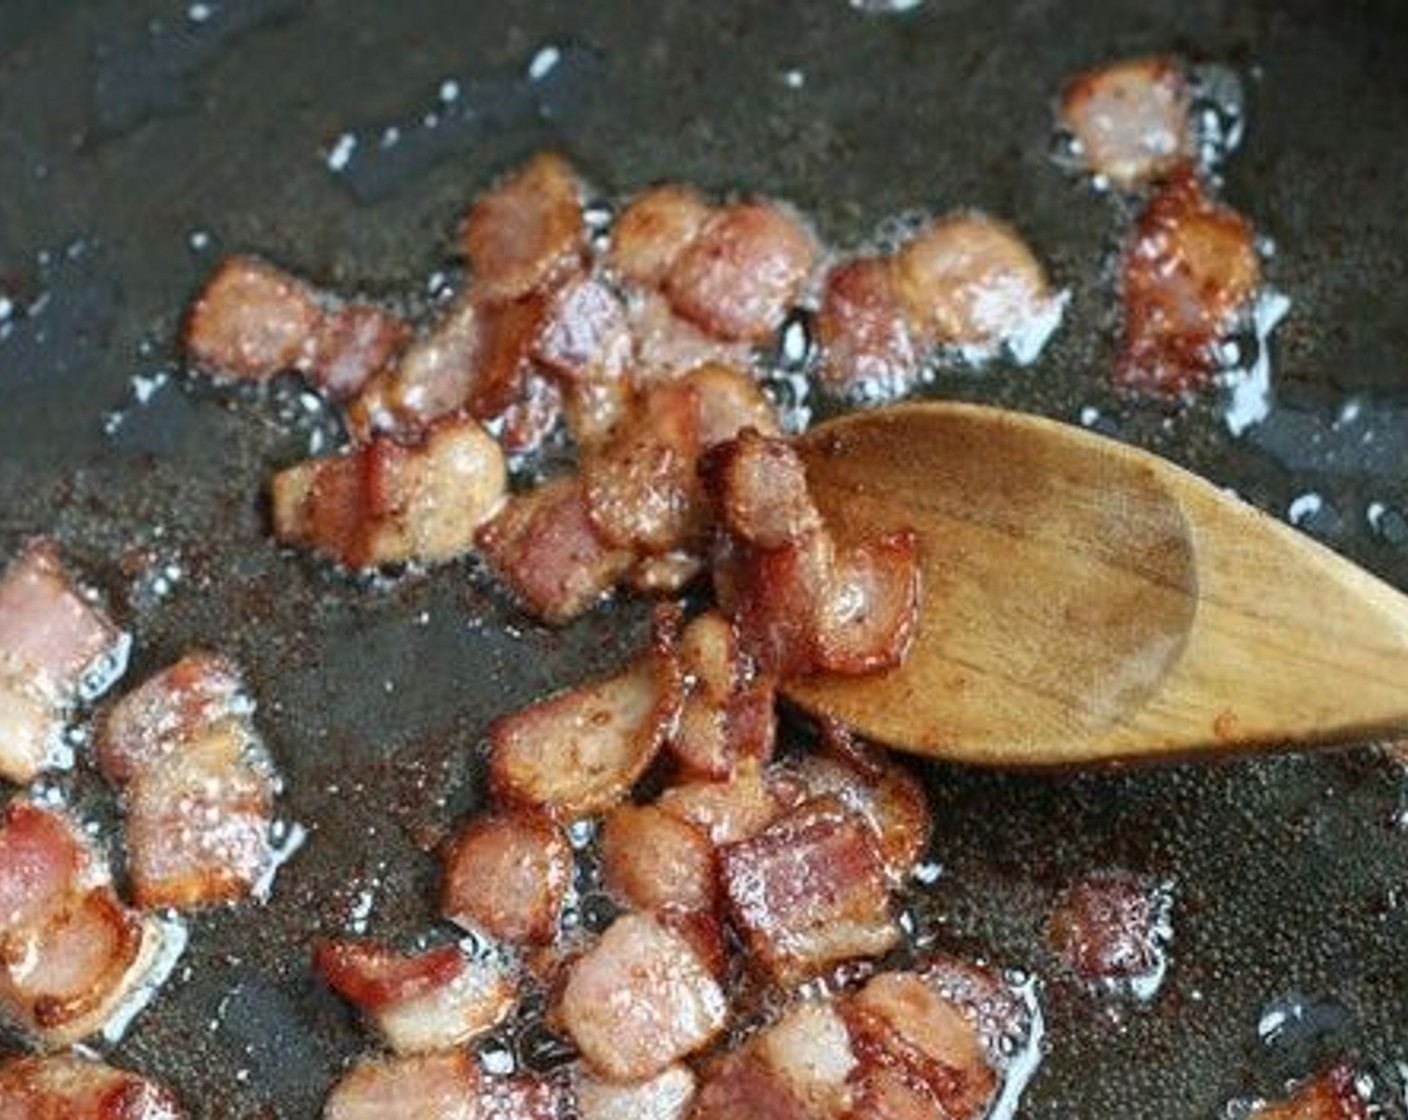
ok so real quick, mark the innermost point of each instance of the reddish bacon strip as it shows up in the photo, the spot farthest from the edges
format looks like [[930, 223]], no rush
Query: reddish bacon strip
[[506, 875], [1331, 1095], [667, 1096], [70, 952], [866, 344], [652, 860], [63, 1087], [1188, 274], [55, 646], [197, 785], [442, 1086], [431, 1000], [253, 321], [386, 503], [641, 999], [1129, 119]]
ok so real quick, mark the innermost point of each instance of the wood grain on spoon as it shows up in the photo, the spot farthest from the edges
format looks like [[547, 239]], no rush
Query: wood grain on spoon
[[1085, 601]]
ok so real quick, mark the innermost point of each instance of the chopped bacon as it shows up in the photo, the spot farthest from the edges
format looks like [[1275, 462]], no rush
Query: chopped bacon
[[385, 503], [66, 1087], [506, 875], [762, 492], [527, 231], [773, 597], [1111, 929], [430, 1000], [726, 811], [55, 646], [351, 345], [666, 343], [866, 621], [652, 860], [969, 280], [666, 573], [584, 334], [666, 1096], [640, 999], [1129, 119], [544, 546], [1331, 1095], [197, 785], [441, 1086], [902, 1024], [1189, 272], [70, 953], [864, 336], [738, 276], [809, 892], [579, 752], [653, 231], [728, 712]]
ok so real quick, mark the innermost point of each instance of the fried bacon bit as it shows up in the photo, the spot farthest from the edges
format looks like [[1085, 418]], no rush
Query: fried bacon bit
[[544, 546], [197, 785], [527, 231], [737, 277], [1190, 271], [640, 999], [969, 280], [667, 1096], [1130, 119], [653, 231], [652, 860], [666, 343], [866, 620], [809, 892], [584, 334], [1111, 929], [665, 574], [55, 646], [70, 952], [579, 752], [506, 875], [865, 338], [254, 321], [440, 1086], [430, 1000], [728, 713], [386, 503], [762, 491], [1331, 1095], [726, 812], [65, 1087], [921, 1052]]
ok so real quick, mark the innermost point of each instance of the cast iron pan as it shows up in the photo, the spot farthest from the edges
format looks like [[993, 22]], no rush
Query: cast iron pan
[[139, 141]]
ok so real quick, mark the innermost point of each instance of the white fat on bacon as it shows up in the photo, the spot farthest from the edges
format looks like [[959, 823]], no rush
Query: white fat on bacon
[[67, 1087], [446, 1085], [666, 1096], [507, 874], [1129, 119], [652, 860]]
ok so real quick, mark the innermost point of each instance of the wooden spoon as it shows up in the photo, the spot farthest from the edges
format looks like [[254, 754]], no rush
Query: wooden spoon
[[1084, 601]]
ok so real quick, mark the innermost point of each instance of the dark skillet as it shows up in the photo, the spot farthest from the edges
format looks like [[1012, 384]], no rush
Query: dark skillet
[[127, 128]]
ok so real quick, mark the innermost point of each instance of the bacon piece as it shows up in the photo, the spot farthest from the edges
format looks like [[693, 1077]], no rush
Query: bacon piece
[[527, 231], [867, 618], [431, 1000], [640, 999], [809, 892], [737, 277], [70, 953], [441, 1086], [386, 503], [666, 573], [1330, 1095], [728, 712], [652, 860], [1130, 119], [352, 344], [1189, 272], [969, 280], [761, 487], [584, 333], [506, 875], [726, 811], [579, 752], [653, 231], [56, 647], [66, 1087], [1111, 929], [197, 785], [667, 343], [544, 546], [865, 339], [666, 1096]]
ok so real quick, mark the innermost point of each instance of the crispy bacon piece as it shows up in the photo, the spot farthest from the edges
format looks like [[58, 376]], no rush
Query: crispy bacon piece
[[579, 752], [1190, 270], [387, 503], [865, 339], [431, 1000], [728, 713], [197, 785], [740, 273], [544, 546], [867, 617], [506, 875], [1331, 1095], [65, 1087], [641, 999], [1130, 119], [666, 343], [652, 860], [809, 892], [653, 231], [253, 321], [527, 231], [441, 1086], [1111, 929], [969, 280], [666, 573], [584, 334], [727, 811], [761, 486], [70, 953], [666, 1096], [56, 647]]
